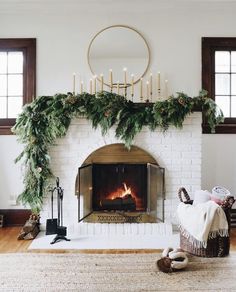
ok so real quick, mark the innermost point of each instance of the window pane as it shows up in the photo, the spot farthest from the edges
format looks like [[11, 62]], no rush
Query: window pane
[[233, 106], [224, 103], [15, 62], [222, 82], [14, 106], [233, 84], [3, 85], [233, 61], [3, 107], [3, 62], [15, 85], [222, 61]]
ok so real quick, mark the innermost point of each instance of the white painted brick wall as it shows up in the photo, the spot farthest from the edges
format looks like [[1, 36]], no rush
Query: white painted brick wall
[[179, 151]]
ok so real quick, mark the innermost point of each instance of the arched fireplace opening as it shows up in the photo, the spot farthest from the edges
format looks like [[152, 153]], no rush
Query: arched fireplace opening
[[115, 184]]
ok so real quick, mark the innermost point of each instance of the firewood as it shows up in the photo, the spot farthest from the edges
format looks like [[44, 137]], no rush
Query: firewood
[[30, 229], [126, 203], [21, 235], [32, 234], [29, 225]]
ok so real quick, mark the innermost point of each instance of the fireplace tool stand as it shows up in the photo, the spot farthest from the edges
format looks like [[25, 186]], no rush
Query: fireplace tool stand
[[61, 230]]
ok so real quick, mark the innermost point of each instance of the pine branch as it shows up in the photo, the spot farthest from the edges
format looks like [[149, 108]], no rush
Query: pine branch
[[48, 118]]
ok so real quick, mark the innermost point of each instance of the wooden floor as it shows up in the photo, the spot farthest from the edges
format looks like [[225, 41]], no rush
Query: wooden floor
[[10, 244]]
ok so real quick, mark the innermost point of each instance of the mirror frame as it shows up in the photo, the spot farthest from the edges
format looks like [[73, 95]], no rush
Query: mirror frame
[[124, 26]]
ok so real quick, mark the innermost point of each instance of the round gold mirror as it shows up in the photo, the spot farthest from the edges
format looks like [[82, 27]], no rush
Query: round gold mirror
[[118, 48]]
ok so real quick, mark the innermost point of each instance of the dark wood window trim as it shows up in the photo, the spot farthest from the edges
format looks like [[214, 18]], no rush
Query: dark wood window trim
[[209, 46], [28, 47]]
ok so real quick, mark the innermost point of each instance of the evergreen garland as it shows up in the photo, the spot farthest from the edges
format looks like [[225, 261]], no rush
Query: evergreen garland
[[48, 118]]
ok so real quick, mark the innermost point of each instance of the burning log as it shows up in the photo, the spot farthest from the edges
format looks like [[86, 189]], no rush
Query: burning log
[[126, 203]]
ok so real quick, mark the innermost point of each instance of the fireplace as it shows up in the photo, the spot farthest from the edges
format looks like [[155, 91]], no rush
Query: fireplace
[[178, 151], [120, 187], [130, 191]]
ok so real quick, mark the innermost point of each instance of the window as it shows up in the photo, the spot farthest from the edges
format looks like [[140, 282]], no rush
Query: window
[[219, 78], [17, 79]]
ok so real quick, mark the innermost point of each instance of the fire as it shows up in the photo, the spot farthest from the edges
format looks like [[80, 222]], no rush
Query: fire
[[120, 192], [124, 192], [127, 190]]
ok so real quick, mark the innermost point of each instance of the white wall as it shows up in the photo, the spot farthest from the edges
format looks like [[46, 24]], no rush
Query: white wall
[[219, 162], [10, 173], [173, 30]]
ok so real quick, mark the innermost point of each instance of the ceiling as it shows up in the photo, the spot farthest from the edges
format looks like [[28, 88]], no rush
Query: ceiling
[[135, 6]]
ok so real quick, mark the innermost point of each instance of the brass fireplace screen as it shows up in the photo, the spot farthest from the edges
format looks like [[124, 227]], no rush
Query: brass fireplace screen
[[128, 189]]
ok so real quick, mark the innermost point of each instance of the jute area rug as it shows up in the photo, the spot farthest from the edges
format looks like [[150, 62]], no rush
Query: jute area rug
[[112, 272]]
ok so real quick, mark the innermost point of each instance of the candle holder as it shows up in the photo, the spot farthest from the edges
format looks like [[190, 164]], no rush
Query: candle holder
[[126, 88], [146, 93], [122, 86]]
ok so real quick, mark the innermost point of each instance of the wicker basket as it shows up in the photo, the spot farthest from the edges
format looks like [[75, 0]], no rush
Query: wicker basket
[[216, 247]]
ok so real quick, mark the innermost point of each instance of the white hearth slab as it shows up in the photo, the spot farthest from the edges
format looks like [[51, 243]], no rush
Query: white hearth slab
[[42, 241], [117, 229]]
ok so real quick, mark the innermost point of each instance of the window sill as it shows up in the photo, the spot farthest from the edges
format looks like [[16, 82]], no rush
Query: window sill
[[220, 129]]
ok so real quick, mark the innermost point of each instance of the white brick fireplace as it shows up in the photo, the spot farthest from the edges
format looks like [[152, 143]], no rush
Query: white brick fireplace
[[178, 151]]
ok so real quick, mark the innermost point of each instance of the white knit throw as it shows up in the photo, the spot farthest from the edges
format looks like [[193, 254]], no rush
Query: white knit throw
[[203, 221]]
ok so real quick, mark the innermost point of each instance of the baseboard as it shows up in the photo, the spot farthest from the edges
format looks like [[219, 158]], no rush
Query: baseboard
[[233, 218], [15, 217]]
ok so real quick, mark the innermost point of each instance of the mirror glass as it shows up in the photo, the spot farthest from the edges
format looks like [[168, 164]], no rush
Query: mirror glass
[[118, 47]]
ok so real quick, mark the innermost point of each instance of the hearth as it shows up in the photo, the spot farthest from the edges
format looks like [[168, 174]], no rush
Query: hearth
[[114, 192]]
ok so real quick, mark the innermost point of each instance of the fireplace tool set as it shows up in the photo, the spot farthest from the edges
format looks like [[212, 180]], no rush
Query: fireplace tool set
[[55, 226]]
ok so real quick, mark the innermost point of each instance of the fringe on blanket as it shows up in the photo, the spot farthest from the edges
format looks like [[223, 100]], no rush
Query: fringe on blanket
[[203, 244]]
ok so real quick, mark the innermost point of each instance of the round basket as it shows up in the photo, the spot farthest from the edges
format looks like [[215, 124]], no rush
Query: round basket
[[216, 247]]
